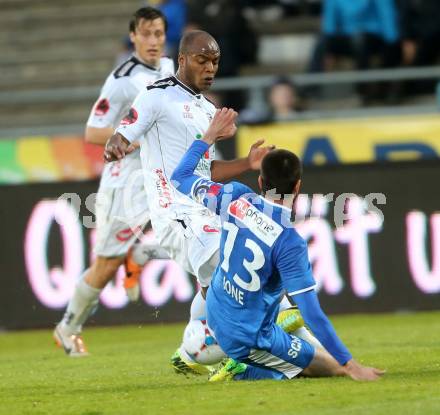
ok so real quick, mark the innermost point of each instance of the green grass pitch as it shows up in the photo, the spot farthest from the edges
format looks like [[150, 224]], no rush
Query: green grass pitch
[[128, 373]]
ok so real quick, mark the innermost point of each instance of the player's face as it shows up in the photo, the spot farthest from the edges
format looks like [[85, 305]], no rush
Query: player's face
[[200, 69], [149, 40]]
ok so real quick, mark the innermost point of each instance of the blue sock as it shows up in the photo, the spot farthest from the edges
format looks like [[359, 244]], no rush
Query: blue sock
[[259, 373]]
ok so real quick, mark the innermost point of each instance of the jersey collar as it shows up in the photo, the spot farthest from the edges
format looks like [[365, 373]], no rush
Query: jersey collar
[[186, 88], [139, 62]]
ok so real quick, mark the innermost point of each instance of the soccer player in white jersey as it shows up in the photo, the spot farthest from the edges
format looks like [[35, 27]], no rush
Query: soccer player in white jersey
[[166, 118], [116, 230]]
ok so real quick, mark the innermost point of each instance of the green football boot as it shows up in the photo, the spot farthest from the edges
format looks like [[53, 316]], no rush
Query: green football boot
[[227, 372]]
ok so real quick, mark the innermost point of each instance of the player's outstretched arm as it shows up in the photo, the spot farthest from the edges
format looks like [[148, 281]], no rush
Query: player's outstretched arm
[[322, 328], [293, 264]]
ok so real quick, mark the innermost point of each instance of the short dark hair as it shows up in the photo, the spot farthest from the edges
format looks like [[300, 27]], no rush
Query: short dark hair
[[147, 13], [280, 170]]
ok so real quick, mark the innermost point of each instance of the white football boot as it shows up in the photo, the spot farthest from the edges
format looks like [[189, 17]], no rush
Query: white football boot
[[72, 344]]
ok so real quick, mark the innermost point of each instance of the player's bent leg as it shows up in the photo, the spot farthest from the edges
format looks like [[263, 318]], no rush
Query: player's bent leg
[[181, 361], [286, 357], [120, 221], [306, 335], [290, 320]]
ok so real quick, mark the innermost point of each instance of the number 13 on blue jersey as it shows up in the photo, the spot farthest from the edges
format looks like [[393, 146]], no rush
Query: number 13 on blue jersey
[[251, 282]]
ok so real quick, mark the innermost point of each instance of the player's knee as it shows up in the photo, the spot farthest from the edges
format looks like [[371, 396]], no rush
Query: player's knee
[[103, 270]]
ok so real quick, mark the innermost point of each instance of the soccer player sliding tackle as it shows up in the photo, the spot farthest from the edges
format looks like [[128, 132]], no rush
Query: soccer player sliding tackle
[[121, 203], [261, 255]]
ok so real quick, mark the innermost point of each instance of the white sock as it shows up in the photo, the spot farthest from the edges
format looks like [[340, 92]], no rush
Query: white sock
[[185, 356], [285, 304], [306, 335], [198, 307], [198, 310], [144, 252], [85, 298]]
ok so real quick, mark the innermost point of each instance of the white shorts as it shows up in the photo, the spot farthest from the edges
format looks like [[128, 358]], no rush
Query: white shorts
[[120, 220], [192, 240]]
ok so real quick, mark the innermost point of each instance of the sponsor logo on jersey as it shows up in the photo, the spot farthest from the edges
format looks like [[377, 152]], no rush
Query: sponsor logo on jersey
[[209, 229], [187, 112], [261, 225], [163, 189], [130, 118], [102, 107], [204, 187]]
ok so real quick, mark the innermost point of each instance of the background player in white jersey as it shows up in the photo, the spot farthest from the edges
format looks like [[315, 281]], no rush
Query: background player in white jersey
[[117, 223], [167, 117], [261, 255]]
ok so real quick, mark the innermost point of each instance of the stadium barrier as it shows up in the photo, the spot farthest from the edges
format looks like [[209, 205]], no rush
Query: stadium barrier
[[326, 141], [351, 140], [380, 256]]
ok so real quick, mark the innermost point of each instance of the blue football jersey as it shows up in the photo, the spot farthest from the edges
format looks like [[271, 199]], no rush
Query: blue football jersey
[[261, 256]]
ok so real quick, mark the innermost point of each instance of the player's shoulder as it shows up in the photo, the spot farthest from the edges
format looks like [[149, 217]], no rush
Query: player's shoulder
[[163, 84], [238, 187], [292, 239], [125, 69]]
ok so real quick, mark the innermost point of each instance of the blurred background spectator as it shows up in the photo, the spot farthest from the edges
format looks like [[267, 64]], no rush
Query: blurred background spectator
[[267, 38], [283, 101], [419, 22], [361, 30], [367, 32], [420, 29]]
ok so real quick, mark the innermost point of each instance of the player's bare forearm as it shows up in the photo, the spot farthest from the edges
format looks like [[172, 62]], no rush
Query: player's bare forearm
[[222, 170], [98, 136], [116, 147]]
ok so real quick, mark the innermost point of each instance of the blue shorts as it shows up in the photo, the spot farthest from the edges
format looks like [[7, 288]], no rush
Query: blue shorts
[[285, 356]]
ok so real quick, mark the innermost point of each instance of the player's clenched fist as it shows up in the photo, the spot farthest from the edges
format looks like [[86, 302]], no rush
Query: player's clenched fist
[[116, 148], [222, 126]]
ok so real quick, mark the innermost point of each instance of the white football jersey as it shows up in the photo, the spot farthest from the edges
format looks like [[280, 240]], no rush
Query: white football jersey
[[167, 117], [114, 102]]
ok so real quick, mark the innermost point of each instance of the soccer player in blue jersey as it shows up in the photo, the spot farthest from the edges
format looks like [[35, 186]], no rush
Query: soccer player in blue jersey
[[261, 257]]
